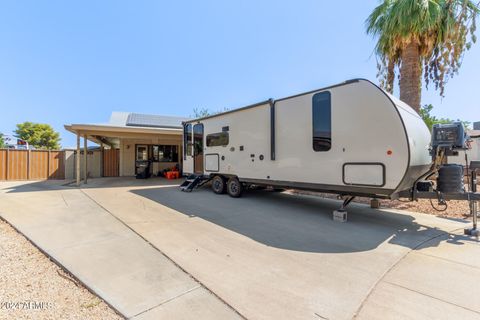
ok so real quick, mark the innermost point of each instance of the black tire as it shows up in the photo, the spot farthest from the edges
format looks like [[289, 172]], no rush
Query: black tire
[[234, 188], [219, 185]]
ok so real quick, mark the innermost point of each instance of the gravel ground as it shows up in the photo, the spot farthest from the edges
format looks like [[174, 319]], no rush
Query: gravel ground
[[455, 209], [33, 287]]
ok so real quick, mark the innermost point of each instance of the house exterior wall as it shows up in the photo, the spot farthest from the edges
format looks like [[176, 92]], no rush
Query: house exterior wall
[[473, 154], [126, 155], [127, 152], [94, 162]]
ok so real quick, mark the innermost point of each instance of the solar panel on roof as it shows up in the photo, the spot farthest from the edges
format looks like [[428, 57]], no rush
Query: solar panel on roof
[[154, 121]]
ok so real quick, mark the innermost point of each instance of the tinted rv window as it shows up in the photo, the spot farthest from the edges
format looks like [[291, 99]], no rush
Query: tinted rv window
[[187, 136], [217, 139], [322, 121]]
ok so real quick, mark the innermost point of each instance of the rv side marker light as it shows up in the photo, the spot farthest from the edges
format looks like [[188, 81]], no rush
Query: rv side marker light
[[389, 152]]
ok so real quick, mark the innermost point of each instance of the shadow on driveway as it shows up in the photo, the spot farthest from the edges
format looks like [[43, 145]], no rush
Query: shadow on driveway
[[300, 223], [280, 220], [115, 182]]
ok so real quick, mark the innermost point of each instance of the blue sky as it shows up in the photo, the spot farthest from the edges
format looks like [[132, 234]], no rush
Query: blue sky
[[76, 61]]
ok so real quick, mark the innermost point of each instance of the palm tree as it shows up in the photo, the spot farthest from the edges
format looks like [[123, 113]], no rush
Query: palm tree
[[418, 37]]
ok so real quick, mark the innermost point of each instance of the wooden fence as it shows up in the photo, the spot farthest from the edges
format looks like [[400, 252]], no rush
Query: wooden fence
[[111, 162], [31, 164]]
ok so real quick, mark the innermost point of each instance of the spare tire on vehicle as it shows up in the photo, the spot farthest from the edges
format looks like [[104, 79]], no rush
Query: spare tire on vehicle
[[450, 178]]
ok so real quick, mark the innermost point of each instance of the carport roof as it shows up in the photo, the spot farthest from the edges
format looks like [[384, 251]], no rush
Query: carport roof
[[133, 123]]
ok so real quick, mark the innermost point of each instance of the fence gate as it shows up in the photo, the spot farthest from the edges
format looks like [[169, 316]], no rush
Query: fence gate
[[31, 164], [56, 162], [111, 162]]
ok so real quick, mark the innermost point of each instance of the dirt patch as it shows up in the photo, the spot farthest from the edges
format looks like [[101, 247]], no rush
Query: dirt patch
[[455, 208], [33, 287]]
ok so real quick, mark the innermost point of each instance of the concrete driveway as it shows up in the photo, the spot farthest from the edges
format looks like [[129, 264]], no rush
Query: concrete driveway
[[280, 256]]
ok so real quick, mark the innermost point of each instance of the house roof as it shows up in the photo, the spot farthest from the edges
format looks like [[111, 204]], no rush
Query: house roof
[[153, 121], [133, 122], [473, 133], [128, 124], [131, 119]]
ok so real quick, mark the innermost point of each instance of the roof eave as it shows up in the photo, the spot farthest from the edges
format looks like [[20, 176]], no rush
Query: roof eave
[[75, 128]]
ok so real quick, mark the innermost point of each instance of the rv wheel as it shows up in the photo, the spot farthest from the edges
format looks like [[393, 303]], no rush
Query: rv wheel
[[219, 185], [234, 187]]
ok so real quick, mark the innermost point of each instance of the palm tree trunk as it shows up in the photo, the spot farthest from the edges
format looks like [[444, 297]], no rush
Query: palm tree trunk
[[390, 75], [410, 76]]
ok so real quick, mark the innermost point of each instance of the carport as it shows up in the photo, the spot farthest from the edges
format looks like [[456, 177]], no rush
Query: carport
[[126, 138]]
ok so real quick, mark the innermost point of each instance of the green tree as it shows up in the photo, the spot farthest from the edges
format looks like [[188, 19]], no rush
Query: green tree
[[201, 112], [430, 120], [421, 37], [2, 141], [39, 135], [204, 112]]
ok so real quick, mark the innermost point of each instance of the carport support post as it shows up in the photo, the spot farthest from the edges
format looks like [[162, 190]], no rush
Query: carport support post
[[102, 154], [85, 153], [77, 160]]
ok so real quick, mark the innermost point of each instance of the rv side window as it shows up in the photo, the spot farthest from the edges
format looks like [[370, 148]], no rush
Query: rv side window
[[187, 140], [217, 139], [322, 121]]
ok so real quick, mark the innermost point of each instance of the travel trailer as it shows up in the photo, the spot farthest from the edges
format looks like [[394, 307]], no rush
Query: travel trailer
[[350, 139]]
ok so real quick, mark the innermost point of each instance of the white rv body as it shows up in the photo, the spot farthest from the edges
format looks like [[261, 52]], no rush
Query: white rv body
[[379, 145]]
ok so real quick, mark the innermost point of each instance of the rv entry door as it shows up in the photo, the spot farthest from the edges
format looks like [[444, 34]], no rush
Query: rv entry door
[[198, 148]]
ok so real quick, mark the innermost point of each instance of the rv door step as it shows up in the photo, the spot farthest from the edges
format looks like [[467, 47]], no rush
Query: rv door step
[[193, 181]]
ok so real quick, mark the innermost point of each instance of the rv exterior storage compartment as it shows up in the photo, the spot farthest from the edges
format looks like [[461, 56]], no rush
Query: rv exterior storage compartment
[[364, 174], [212, 162]]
